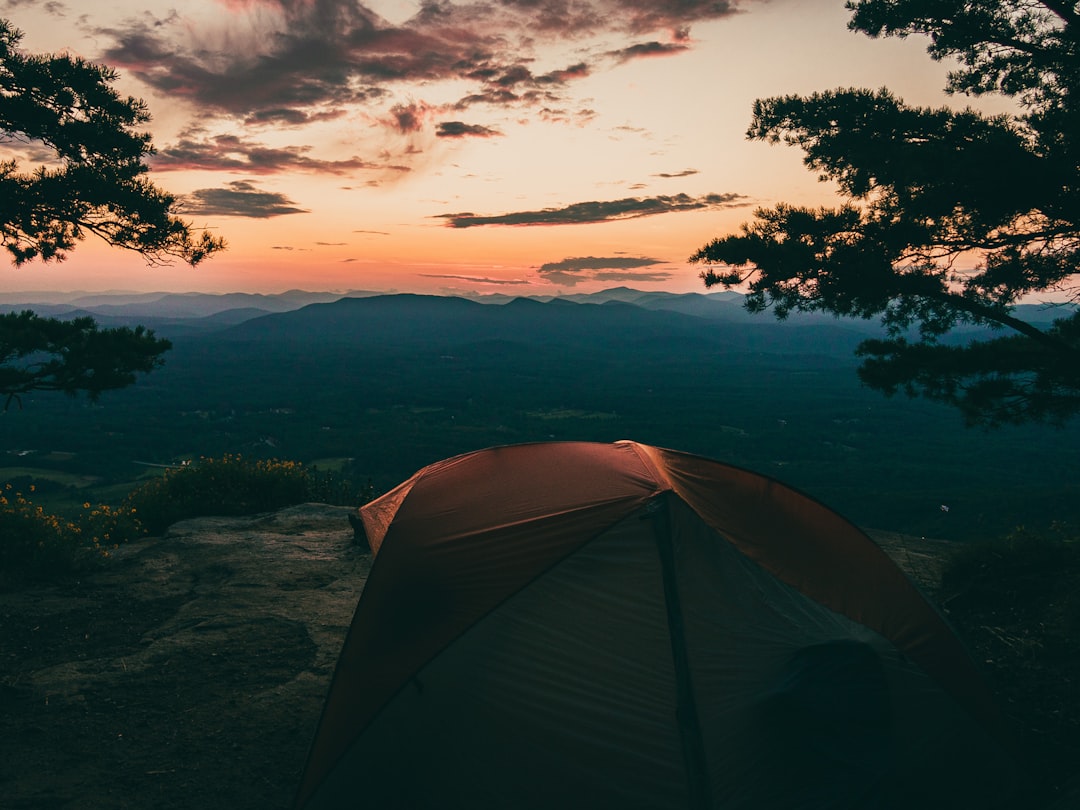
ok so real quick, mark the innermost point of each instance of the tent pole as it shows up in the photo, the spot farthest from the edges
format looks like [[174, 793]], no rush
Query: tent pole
[[693, 746]]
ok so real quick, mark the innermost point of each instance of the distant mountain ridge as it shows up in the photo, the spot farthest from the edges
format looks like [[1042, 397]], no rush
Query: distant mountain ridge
[[193, 313], [449, 326], [167, 305]]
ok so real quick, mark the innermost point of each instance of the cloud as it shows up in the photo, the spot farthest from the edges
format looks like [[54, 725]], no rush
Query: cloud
[[579, 117], [262, 59], [287, 117], [594, 263], [608, 211], [569, 272], [476, 279], [683, 173], [578, 71], [643, 50], [52, 7], [458, 129], [517, 85], [237, 154], [408, 118], [239, 199]]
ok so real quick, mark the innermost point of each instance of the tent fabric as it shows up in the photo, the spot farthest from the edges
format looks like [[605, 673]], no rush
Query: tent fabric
[[618, 625]]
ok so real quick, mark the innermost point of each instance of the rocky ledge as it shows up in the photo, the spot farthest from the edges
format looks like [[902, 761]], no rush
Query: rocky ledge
[[188, 673]]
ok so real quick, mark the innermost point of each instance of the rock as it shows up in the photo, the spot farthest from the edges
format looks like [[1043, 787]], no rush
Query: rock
[[190, 672]]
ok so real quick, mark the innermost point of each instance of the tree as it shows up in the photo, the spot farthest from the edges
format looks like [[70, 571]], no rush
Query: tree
[[98, 185], [94, 182], [48, 354], [951, 217]]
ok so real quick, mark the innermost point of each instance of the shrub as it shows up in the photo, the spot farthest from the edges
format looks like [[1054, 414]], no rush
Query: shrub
[[230, 485], [331, 487], [1025, 571], [1016, 603], [35, 544]]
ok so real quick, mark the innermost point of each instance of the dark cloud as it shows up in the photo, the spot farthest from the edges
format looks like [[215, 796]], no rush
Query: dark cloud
[[408, 118], [458, 129], [607, 211], [303, 54], [643, 16], [263, 60], [500, 97], [287, 117], [377, 233], [239, 199], [569, 272], [518, 85], [234, 153], [596, 263], [578, 71], [331, 244], [646, 49], [683, 173]]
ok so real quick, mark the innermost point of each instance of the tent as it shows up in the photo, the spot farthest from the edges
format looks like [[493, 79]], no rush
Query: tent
[[574, 624]]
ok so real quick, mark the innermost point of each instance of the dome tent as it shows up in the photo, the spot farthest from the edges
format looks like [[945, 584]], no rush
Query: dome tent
[[572, 624]]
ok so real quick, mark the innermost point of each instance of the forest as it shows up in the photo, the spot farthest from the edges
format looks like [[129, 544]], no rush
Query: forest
[[376, 386]]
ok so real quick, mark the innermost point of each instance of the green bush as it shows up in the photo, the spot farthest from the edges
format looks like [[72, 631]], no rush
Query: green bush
[[332, 487], [230, 485], [35, 544]]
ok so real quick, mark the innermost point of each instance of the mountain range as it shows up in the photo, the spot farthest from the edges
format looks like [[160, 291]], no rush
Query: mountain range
[[177, 314]]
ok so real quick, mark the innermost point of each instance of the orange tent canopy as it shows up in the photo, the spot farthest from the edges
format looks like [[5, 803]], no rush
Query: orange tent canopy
[[549, 578]]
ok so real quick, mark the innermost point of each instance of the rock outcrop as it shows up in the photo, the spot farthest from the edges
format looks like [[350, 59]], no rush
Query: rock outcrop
[[189, 672]]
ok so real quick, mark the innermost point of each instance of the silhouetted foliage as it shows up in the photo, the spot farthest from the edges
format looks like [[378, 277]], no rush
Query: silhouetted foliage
[[47, 354], [951, 217], [93, 181]]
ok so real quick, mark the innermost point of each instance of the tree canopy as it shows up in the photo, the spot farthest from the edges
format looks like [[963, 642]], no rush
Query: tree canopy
[[94, 178], [950, 217], [90, 179], [48, 354]]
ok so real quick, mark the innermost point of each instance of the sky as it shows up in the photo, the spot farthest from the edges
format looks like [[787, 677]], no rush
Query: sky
[[523, 147]]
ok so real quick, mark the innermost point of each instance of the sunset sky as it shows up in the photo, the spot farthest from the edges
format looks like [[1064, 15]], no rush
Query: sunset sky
[[512, 146]]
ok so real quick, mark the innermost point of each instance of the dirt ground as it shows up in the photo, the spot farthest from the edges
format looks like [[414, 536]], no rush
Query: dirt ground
[[190, 672]]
